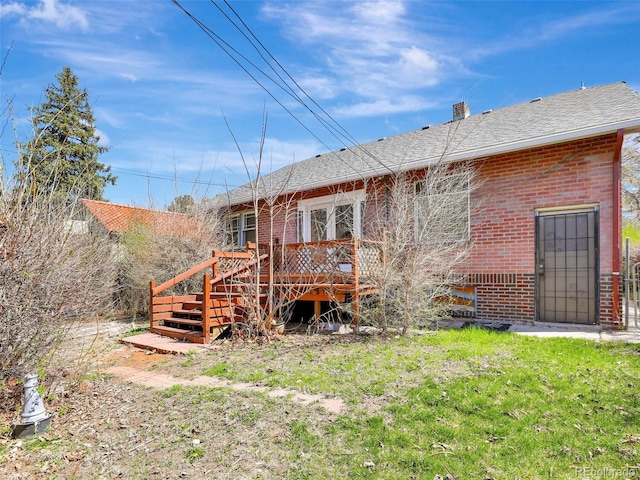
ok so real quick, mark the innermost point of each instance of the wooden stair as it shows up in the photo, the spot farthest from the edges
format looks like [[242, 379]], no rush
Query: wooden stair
[[231, 288], [182, 318]]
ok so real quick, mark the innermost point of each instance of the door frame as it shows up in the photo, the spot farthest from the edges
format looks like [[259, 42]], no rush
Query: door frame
[[330, 202], [560, 210]]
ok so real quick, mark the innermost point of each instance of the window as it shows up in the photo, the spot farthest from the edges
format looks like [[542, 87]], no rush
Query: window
[[319, 224], [248, 228], [232, 232], [442, 211], [332, 217], [240, 229], [344, 221], [300, 225]]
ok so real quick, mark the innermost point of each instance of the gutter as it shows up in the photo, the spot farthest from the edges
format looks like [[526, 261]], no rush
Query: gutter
[[617, 229]]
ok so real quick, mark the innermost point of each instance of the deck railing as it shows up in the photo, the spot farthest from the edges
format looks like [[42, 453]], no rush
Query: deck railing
[[330, 259], [289, 270]]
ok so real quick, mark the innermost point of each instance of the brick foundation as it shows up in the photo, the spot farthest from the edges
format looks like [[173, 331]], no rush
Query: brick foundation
[[510, 297]]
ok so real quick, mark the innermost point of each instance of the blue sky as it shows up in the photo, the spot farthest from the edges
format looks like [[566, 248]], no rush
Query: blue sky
[[166, 97]]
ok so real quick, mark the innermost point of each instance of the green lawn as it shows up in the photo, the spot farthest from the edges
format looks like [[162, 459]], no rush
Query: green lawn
[[455, 404], [470, 403]]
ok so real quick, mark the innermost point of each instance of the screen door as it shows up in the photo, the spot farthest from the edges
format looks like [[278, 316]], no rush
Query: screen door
[[567, 267]]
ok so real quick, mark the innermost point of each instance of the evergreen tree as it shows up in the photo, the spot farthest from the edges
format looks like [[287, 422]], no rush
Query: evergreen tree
[[61, 161], [182, 204]]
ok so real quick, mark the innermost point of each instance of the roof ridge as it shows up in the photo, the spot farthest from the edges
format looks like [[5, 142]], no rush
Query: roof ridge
[[113, 204]]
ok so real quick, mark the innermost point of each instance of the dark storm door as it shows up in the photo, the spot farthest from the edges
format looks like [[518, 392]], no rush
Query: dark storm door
[[567, 267]]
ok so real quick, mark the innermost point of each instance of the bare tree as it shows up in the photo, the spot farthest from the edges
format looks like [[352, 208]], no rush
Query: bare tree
[[269, 289], [160, 251], [53, 272], [425, 240]]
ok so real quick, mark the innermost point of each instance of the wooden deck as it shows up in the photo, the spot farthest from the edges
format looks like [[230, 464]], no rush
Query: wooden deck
[[258, 285]]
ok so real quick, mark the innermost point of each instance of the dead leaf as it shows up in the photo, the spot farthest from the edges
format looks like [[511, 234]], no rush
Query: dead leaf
[[74, 456]]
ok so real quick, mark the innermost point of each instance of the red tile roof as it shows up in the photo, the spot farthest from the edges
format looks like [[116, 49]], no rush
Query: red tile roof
[[120, 218]]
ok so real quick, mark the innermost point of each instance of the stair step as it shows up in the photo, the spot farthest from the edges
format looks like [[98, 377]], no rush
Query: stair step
[[183, 321], [178, 334], [185, 311], [192, 305]]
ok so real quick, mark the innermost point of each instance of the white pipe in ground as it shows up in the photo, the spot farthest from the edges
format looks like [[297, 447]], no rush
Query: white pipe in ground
[[33, 410]]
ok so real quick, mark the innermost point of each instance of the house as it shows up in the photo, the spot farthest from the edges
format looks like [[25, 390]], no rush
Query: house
[[118, 219], [547, 237]]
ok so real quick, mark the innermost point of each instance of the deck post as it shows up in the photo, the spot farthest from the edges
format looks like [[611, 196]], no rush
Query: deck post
[[214, 267], [269, 305], [206, 301], [356, 283], [317, 311], [152, 285]]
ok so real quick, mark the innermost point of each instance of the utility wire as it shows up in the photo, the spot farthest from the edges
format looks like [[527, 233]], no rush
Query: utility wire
[[157, 176], [339, 129], [293, 92], [221, 43]]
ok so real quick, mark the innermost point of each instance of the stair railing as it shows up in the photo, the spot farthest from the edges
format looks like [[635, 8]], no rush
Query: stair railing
[[208, 282]]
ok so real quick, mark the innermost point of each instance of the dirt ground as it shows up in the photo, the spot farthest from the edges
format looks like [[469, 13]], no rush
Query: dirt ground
[[120, 412]]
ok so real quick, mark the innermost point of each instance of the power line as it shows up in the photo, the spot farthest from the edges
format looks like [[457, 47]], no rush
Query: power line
[[157, 176], [340, 128], [221, 43]]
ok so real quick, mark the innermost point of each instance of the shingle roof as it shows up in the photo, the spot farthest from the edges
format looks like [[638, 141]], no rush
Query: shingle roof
[[119, 218], [562, 117]]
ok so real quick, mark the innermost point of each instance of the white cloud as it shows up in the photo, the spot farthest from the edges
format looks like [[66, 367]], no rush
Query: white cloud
[[380, 12], [102, 58], [129, 76], [14, 8], [374, 54], [548, 30], [104, 138], [408, 103], [164, 157], [417, 62], [569, 25], [63, 15]]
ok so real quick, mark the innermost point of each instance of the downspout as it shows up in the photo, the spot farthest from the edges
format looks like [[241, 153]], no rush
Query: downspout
[[617, 229]]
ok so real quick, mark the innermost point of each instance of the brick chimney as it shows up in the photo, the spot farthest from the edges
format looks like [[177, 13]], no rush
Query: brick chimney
[[460, 111]]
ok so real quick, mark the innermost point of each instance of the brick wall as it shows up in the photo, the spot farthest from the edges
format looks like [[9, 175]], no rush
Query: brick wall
[[512, 186], [505, 297]]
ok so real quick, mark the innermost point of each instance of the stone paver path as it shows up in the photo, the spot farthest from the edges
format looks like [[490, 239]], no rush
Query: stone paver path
[[161, 381]]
